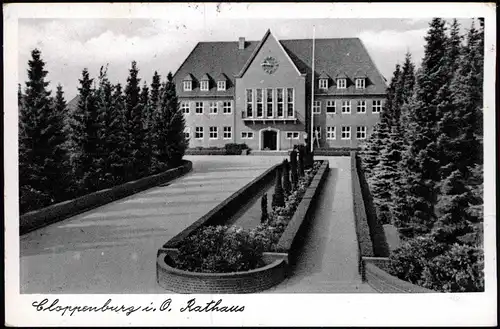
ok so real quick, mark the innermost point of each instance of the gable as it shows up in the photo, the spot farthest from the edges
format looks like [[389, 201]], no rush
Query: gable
[[269, 50]]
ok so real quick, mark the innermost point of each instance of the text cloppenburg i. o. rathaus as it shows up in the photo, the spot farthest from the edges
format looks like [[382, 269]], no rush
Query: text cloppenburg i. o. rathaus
[[259, 93]]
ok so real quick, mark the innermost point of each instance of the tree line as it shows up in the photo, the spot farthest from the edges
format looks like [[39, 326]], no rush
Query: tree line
[[114, 134], [424, 161]]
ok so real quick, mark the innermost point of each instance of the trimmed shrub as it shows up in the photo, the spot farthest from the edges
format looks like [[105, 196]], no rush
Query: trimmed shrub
[[287, 187], [293, 168], [301, 161], [263, 207], [278, 196], [235, 149]]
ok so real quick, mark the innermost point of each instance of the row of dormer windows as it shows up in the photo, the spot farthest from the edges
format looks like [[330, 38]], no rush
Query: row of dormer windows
[[346, 105], [204, 85], [360, 83]]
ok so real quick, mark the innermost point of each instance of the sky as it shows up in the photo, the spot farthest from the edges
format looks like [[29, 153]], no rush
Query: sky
[[70, 45]]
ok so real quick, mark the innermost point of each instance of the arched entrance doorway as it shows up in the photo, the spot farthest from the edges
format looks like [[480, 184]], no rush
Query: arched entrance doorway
[[269, 139]]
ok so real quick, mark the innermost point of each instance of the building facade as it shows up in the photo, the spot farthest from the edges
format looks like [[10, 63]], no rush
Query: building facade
[[259, 93]]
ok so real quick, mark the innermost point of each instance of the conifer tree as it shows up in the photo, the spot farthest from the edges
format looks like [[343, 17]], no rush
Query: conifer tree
[[135, 131], [147, 148], [263, 207], [84, 136], [42, 157], [170, 143], [371, 148], [104, 99], [117, 136], [300, 167]]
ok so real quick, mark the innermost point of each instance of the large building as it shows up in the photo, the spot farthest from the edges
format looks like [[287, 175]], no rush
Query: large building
[[259, 93]]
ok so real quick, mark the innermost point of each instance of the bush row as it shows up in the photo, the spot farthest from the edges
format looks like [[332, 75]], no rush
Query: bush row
[[228, 149]]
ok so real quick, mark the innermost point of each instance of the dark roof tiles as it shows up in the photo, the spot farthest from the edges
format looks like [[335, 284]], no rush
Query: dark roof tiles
[[346, 56]]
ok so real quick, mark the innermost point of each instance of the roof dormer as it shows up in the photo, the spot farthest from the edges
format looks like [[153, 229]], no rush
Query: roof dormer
[[187, 82], [323, 81], [205, 82], [360, 79], [221, 82], [341, 80]]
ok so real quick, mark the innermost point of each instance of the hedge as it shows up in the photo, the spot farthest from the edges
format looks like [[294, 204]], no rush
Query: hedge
[[228, 149]]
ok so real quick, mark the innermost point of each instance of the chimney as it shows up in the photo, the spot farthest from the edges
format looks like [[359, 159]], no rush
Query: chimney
[[241, 43]]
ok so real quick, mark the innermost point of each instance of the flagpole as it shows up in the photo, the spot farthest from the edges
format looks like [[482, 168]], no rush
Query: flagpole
[[312, 94]]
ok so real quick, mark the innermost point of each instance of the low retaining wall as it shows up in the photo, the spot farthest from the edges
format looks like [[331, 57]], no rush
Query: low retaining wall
[[219, 283], [384, 282], [225, 209], [206, 152], [60, 211], [250, 281]]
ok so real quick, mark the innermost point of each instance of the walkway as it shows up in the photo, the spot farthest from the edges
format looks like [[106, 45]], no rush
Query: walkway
[[328, 262], [112, 249]]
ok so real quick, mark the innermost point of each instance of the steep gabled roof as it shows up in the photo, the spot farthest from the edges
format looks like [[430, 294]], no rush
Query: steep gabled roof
[[221, 77], [188, 77], [205, 77], [323, 75], [332, 56], [215, 58]]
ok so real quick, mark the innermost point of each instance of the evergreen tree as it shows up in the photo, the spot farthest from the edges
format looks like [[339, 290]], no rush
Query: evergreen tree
[[104, 100], [287, 187], [278, 197], [390, 112], [300, 167], [371, 148], [453, 219], [42, 157], [84, 136], [135, 131], [170, 143], [117, 137], [147, 126], [421, 158], [386, 178]]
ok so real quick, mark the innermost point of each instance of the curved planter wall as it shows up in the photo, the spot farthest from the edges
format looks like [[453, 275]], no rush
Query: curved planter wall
[[60, 211], [250, 281], [219, 283]]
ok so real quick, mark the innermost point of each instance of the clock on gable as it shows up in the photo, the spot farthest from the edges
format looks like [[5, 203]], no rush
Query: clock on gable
[[269, 64]]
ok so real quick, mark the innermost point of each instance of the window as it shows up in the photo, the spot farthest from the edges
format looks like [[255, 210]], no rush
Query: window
[[199, 107], [249, 103], [213, 107], [360, 83], [317, 133], [280, 102], [317, 107], [227, 132], [221, 85], [330, 106], [204, 85], [323, 84], [290, 102], [227, 108], [361, 107], [198, 133], [341, 83], [187, 133], [330, 133], [292, 135], [269, 103], [361, 132], [247, 135], [260, 102], [185, 107], [346, 132], [346, 107], [213, 133], [377, 106], [188, 86]]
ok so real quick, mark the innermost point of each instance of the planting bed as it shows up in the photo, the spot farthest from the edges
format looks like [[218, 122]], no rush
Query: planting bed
[[230, 259]]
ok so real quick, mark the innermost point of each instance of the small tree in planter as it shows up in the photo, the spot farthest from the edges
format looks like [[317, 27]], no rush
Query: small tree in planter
[[278, 197], [301, 161], [263, 207], [286, 178], [293, 168]]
